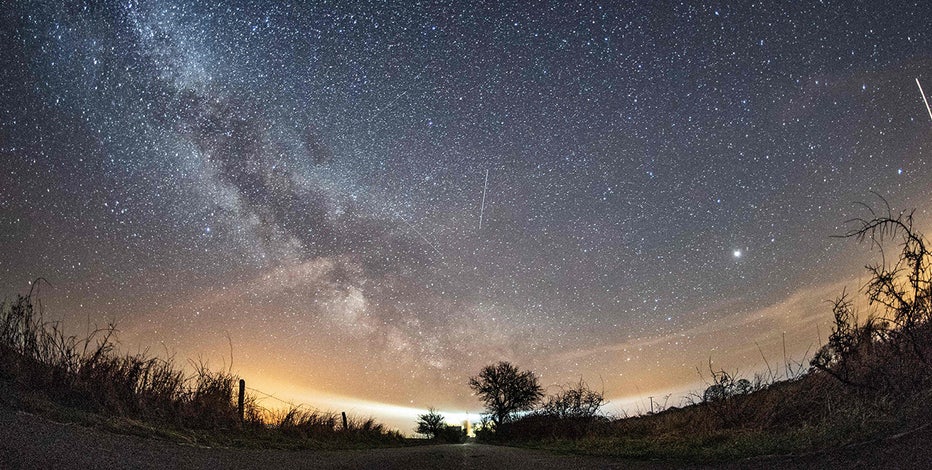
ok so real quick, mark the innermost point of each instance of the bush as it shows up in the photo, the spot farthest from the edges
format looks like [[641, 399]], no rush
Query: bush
[[888, 352], [451, 434], [430, 424], [576, 402]]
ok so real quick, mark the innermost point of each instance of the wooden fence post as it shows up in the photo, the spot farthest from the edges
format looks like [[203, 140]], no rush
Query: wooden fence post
[[344, 421], [242, 401]]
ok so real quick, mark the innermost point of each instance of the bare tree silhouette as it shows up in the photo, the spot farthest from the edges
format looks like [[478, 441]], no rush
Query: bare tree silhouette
[[505, 390]]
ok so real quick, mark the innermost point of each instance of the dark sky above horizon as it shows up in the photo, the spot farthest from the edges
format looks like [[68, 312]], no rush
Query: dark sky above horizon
[[663, 179]]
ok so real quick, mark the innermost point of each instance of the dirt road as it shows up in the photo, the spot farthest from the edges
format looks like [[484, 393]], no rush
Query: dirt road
[[32, 442]]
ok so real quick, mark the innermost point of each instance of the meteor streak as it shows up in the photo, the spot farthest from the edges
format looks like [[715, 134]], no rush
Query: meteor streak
[[485, 188], [924, 100]]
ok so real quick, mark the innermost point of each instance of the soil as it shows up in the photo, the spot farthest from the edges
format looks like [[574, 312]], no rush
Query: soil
[[28, 441]]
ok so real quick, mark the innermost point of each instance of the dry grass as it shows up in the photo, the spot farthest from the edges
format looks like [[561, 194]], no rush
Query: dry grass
[[46, 369], [872, 379], [811, 412]]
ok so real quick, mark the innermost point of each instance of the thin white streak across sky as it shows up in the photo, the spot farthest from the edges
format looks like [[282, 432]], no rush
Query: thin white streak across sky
[[924, 99], [485, 188], [413, 228]]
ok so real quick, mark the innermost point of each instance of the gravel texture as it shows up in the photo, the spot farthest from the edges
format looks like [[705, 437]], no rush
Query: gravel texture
[[28, 441]]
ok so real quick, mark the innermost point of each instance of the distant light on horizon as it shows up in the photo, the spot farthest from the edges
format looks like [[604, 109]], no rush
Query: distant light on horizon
[[376, 200]]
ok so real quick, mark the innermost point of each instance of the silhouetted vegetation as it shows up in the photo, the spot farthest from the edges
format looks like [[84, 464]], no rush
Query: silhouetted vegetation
[[505, 390], [567, 414], [45, 369], [888, 351], [873, 378], [451, 434], [432, 425], [576, 402]]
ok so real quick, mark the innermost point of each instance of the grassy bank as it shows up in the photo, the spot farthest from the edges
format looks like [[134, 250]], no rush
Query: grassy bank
[[807, 415], [43, 369], [871, 380]]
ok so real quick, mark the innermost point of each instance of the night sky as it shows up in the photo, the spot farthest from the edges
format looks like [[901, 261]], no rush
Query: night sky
[[306, 183]]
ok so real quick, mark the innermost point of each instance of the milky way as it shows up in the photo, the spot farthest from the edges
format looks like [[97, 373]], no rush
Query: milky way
[[308, 181]]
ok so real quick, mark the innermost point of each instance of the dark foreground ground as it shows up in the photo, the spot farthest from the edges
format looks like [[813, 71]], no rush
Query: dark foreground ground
[[28, 441]]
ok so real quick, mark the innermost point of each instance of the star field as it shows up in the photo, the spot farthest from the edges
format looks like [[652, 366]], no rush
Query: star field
[[662, 182]]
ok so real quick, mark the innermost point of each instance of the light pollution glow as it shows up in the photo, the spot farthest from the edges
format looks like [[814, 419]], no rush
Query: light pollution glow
[[371, 201]]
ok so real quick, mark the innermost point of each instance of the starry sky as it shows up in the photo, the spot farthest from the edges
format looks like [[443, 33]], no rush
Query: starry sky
[[372, 200]]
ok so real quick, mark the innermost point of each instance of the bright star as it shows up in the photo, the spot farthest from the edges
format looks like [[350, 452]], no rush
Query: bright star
[[737, 253]]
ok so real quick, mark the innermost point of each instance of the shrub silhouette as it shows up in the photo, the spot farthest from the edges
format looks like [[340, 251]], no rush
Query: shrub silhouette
[[568, 414], [725, 386], [576, 402], [451, 434], [889, 350], [430, 424]]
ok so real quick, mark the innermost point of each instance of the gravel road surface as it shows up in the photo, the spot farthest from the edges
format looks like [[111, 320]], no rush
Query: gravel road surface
[[28, 441]]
